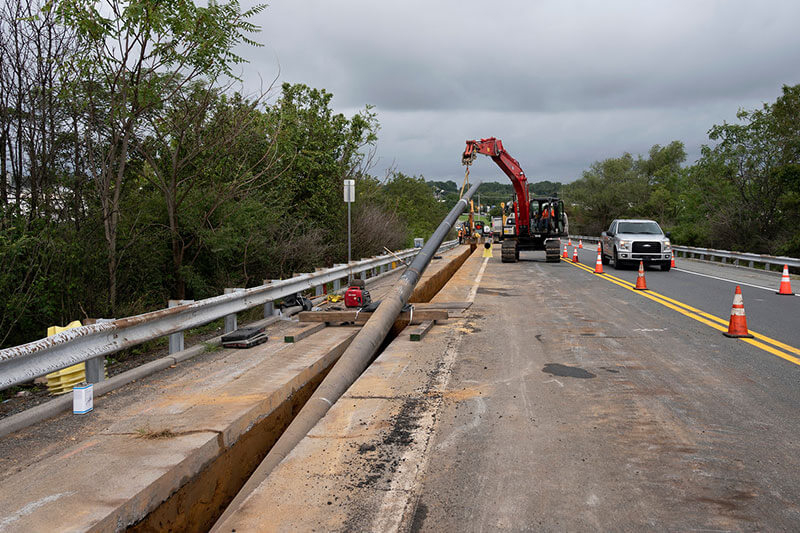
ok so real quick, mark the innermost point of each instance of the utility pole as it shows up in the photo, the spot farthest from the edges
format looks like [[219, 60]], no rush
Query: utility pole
[[349, 198]]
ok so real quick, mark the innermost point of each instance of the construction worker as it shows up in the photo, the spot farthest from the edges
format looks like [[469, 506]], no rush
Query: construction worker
[[544, 218], [460, 235]]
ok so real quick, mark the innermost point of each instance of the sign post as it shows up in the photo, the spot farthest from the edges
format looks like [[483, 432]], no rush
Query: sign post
[[349, 198]]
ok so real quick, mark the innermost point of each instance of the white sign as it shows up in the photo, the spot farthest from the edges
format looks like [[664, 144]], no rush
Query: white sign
[[349, 191]]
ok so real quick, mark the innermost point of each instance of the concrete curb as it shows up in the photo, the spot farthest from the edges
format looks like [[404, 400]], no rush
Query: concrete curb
[[63, 403]]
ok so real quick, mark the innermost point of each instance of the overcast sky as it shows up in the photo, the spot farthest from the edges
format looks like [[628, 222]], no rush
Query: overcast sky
[[563, 84]]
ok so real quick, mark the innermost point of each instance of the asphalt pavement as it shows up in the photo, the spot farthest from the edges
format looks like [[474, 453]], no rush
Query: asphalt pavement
[[602, 410], [710, 288]]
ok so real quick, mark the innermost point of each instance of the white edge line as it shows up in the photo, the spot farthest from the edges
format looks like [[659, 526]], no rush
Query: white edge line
[[730, 280], [474, 290]]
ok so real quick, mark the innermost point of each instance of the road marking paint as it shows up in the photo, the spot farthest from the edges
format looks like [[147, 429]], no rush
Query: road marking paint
[[722, 321], [474, 290], [31, 507], [701, 316], [729, 280]]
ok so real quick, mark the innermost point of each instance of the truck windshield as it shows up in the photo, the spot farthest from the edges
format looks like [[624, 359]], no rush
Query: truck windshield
[[647, 228]]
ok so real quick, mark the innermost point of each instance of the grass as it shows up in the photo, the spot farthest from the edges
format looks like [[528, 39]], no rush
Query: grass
[[211, 347]]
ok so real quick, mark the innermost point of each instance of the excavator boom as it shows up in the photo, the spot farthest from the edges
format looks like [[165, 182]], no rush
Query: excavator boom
[[494, 148]]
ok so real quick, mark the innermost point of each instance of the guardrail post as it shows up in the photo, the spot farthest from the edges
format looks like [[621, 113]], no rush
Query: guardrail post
[[319, 289], [176, 339], [96, 366], [230, 320], [363, 275], [269, 309]]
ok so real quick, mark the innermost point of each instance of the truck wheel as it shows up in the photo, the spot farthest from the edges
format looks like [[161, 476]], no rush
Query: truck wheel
[[603, 256], [665, 266], [509, 253], [617, 265]]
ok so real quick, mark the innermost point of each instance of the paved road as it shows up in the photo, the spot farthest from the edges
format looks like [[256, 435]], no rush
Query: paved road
[[603, 410], [691, 283]]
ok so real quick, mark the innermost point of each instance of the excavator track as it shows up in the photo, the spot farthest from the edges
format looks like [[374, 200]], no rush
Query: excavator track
[[509, 252], [552, 249]]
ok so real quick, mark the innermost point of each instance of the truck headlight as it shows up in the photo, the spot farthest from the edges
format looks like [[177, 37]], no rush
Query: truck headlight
[[623, 245], [667, 246]]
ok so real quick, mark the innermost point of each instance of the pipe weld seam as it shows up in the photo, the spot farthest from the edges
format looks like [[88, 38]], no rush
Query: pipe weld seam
[[326, 401]]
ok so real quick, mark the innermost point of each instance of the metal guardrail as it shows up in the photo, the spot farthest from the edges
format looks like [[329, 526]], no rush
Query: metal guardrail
[[725, 256], [38, 358]]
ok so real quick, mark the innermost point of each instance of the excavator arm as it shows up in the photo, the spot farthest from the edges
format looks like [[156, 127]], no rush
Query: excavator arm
[[510, 166]]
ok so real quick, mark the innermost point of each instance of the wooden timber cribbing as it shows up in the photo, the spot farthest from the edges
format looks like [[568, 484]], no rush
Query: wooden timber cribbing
[[427, 287]]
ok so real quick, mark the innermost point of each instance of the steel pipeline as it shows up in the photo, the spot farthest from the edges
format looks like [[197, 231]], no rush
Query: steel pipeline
[[352, 362]]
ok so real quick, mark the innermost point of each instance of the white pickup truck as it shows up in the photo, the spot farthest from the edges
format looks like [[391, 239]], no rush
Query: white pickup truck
[[634, 240]]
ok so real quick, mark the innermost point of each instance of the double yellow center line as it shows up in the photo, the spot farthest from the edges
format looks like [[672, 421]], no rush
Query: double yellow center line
[[775, 347]]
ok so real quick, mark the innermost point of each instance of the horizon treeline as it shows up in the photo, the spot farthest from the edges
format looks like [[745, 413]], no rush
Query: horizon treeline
[[742, 194]]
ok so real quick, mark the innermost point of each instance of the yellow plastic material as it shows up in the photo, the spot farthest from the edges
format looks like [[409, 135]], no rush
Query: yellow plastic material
[[62, 381]]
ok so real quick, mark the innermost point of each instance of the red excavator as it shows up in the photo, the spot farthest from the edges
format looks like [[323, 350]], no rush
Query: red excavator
[[539, 223]]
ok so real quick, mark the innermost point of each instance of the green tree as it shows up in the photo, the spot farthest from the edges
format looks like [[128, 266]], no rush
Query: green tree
[[759, 159], [132, 54]]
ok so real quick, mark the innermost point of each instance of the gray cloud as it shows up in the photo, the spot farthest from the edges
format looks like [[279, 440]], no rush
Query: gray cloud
[[562, 83]]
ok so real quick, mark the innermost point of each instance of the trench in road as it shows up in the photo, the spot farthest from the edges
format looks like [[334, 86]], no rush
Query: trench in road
[[198, 503]]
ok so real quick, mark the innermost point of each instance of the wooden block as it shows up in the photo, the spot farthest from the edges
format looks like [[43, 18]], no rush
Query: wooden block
[[305, 331], [420, 316], [421, 330], [442, 305]]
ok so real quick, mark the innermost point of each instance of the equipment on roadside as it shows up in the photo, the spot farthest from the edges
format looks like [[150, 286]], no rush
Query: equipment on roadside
[[244, 338], [575, 255], [294, 300], [641, 283], [786, 283], [580, 244], [356, 294], [737, 326], [530, 233], [565, 255], [672, 260]]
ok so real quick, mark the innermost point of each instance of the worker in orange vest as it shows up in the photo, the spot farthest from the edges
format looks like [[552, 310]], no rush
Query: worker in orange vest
[[546, 213], [460, 235]]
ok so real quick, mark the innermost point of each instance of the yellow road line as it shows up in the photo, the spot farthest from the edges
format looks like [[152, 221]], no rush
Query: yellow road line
[[700, 316]]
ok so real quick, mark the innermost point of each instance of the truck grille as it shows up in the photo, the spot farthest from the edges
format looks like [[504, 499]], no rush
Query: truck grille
[[646, 247]]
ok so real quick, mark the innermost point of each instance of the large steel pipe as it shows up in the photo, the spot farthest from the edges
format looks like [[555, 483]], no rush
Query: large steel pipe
[[352, 362]]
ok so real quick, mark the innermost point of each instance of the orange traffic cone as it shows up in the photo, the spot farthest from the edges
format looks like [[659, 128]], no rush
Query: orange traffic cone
[[672, 261], [598, 266], [580, 244], [574, 255], [641, 283], [737, 327], [786, 282], [565, 255], [569, 241]]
